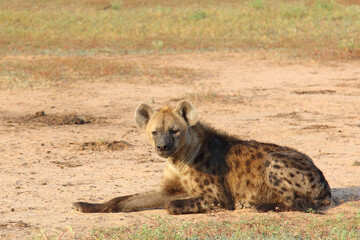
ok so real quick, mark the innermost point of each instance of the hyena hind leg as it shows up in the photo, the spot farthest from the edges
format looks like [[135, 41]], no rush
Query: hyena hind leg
[[296, 182]]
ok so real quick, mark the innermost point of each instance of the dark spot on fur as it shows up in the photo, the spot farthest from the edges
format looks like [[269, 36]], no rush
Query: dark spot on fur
[[236, 164], [247, 183], [288, 198], [209, 190], [298, 185], [278, 155], [312, 179], [276, 160], [201, 186], [267, 163], [238, 151], [291, 175], [284, 189], [281, 192], [259, 168], [267, 149], [212, 179], [252, 156], [276, 183], [253, 197], [197, 179], [287, 180], [206, 182], [277, 166], [259, 155], [298, 167], [247, 163], [313, 186]]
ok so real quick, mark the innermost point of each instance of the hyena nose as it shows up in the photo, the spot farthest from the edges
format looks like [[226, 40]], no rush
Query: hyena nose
[[161, 147]]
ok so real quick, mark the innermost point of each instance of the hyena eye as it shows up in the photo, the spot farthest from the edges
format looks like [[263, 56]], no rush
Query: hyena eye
[[154, 133], [174, 131]]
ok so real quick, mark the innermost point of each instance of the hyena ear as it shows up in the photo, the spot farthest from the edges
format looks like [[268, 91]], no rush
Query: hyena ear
[[187, 111], [143, 114]]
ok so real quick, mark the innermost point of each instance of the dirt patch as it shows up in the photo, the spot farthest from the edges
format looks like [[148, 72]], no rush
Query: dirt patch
[[210, 96], [19, 224], [66, 164], [102, 146], [356, 164], [43, 119], [315, 92], [318, 127], [292, 115]]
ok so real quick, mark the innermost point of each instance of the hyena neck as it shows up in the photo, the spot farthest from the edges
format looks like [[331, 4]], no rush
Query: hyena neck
[[190, 150]]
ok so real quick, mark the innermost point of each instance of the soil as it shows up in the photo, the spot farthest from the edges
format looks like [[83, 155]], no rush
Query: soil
[[80, 143], [41, 118], [103, 146]]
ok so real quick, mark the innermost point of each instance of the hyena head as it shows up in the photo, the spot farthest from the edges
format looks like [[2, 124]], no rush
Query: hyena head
[[167, 128]]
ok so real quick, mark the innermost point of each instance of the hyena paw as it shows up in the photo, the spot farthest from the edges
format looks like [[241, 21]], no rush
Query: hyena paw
[[173, 208], [83, 207]]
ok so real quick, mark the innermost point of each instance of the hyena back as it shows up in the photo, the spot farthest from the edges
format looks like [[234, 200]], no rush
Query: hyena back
[[209, 170]]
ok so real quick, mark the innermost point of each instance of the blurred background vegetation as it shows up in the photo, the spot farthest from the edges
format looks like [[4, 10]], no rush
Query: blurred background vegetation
[[319, 29]]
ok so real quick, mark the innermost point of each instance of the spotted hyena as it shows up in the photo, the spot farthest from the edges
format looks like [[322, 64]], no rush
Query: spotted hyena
[[209, 170]]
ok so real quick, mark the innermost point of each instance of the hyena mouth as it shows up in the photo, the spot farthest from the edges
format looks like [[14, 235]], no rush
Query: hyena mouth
[[165, 154]]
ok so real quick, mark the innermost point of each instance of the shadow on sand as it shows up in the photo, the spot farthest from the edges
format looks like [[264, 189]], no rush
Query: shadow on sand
[[342, 195]]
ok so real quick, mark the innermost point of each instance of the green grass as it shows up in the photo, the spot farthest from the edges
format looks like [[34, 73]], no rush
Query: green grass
[[259, 227], [321, 29], [279, 226]]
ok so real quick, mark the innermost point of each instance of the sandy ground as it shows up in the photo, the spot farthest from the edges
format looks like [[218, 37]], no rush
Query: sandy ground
[[46, 162]]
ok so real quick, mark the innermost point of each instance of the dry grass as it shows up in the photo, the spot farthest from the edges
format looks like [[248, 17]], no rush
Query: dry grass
[[211, 96], [19, 72]]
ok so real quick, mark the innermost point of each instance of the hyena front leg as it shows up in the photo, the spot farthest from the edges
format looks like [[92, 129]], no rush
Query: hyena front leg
[[140, 201], [200, 204]]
